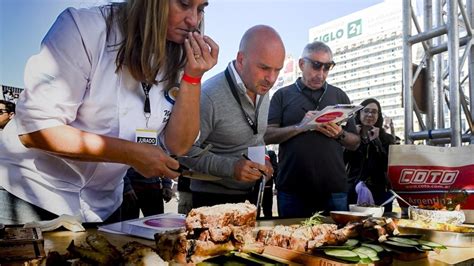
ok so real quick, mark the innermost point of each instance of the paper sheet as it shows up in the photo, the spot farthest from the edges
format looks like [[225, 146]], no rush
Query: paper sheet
[[257, 154]]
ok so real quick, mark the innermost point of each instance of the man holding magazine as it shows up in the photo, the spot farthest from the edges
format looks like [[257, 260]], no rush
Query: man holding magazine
[[311, 173]]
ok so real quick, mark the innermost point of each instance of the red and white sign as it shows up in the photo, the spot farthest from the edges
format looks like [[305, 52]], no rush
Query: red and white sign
[[423, 174]]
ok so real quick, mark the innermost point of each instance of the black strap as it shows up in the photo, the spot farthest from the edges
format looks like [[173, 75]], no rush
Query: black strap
[[253, 124], [316, 103], [146, 107], [146, 90]]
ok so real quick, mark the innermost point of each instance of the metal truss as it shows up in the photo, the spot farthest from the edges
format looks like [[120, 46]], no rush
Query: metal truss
[[447, 42]]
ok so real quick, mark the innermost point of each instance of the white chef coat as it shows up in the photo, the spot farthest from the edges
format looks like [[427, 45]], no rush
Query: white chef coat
[[72, 81]]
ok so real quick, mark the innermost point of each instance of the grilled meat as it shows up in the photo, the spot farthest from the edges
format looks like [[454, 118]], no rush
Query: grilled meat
[[210, 231], [91, 255], [306, 238], [102, 245], [135, 253], [219, 216]]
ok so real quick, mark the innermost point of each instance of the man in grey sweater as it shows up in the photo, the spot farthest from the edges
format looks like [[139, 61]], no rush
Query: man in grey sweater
[[234, 112]]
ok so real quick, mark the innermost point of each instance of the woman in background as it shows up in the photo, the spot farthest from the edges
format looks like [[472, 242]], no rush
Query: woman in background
[[105, 82], [368, 164]]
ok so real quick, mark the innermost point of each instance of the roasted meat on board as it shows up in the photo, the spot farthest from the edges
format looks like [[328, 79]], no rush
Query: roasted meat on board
[[211, 231]]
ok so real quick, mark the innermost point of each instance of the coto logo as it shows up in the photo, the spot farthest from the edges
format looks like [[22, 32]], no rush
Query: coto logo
[[425, 176]]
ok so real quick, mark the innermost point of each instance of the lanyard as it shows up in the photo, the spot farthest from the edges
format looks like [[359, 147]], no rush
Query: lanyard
[[146, 107], [311, 99], [253, 124]]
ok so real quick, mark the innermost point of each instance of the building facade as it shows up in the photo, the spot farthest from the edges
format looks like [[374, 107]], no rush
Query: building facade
[[367, 47], [10, 93], [368, 52]]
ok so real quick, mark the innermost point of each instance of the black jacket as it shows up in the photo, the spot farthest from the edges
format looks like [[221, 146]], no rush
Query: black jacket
[[369, 163]]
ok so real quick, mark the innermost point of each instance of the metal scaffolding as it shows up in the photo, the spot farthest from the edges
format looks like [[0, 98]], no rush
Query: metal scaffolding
[[447, 41]]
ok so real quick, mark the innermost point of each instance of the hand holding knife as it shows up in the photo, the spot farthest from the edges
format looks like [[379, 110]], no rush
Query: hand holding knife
[[261, 187]]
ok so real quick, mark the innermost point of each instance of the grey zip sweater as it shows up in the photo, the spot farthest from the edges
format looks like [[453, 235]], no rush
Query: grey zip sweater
[[225, 127]]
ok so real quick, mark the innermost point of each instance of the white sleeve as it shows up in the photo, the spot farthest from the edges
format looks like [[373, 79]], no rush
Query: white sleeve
[[56, 78]]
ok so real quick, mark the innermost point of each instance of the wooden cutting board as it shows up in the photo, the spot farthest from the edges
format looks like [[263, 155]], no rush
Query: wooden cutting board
[[20, 244]]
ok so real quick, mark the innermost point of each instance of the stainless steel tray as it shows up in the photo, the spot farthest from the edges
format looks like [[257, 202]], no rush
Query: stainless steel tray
[[450, 239]]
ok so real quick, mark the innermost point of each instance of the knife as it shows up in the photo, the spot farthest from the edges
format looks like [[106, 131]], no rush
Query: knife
[[261, 188], [199, 176]]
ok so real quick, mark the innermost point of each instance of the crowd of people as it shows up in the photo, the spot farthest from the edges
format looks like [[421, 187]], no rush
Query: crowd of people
[[114, 109]]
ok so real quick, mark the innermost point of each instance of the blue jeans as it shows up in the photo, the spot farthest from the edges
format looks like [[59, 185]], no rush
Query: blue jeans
[[14, 210], [338, 202], [296, 206]]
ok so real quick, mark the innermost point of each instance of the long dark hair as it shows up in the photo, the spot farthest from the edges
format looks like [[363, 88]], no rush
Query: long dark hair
[[383, 135]]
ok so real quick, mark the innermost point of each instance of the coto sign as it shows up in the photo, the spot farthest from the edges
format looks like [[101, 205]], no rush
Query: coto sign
[[424, 176]]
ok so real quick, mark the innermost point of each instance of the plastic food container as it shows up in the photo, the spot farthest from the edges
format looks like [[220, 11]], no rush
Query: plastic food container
[[437, 216]]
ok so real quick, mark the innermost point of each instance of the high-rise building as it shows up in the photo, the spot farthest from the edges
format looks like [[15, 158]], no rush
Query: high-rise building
[[367, 47]]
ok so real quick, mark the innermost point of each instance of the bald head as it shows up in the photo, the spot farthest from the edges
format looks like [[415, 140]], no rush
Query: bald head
[[260, 35], [260, 58]]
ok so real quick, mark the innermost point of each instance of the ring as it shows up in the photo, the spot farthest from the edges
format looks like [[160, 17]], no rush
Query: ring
[[197, 56]]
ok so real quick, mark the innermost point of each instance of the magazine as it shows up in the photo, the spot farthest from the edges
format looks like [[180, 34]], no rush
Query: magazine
[[338, 113], [147, 227]]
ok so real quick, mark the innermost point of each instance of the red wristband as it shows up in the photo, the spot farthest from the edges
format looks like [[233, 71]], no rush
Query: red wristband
[[267, 157], [191, 80]]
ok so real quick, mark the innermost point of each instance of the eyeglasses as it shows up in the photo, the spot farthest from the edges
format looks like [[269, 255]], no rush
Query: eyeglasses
[[3, 111], [370, 111], [316, 65]]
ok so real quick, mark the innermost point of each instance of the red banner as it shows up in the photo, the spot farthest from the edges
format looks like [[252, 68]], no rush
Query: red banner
[[423, 175]]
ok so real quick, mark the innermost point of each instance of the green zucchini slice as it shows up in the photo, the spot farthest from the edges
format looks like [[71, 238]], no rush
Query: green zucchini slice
[[374, 247], [342, 254], [367, 251], [406, 241], [430, 244]]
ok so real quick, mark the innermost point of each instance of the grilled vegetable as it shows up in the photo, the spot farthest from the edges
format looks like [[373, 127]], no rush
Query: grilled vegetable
[[101, 244], [406, 241], [372, 254], [317, 218], [374, 247], [430, 244], [351, 243], [342, 254], [90, 255]]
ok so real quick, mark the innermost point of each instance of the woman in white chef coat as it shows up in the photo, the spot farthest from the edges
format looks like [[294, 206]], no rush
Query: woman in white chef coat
[[107, 82]]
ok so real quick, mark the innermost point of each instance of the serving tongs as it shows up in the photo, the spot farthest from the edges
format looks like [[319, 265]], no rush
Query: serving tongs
[[261, 188], [400, 198]]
